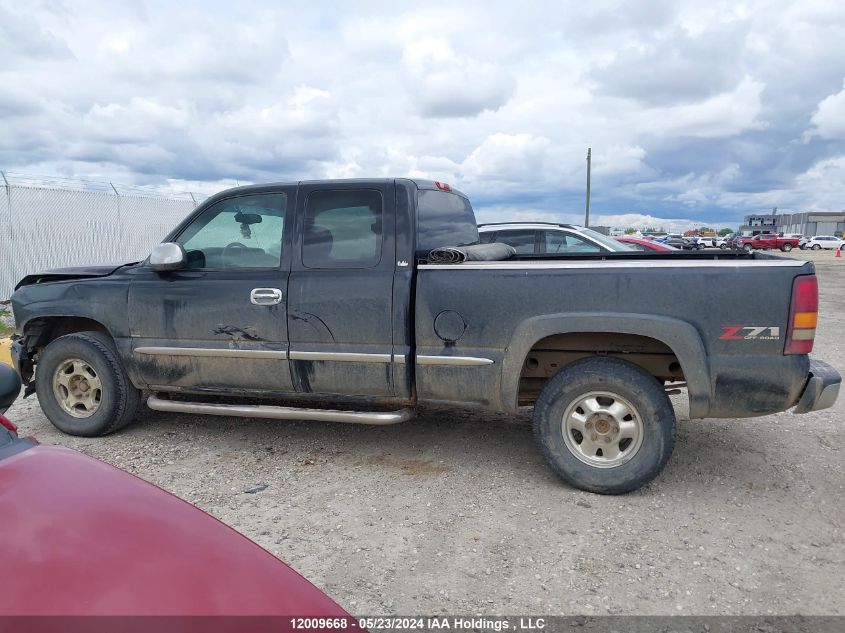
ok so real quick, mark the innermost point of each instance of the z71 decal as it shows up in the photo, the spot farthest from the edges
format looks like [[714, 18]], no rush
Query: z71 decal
[[750, 333]]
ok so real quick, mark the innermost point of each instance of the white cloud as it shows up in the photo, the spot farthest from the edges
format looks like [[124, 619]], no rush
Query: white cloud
[[444, 84], [829, 118], [691, 109], [617, 220], [643, 221], [725, 114]]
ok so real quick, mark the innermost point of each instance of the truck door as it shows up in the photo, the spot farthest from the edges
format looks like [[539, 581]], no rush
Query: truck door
[[220, 323], [340, 293]]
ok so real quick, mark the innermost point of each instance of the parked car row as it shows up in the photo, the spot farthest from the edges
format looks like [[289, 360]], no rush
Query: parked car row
[[821, 241], [783, 242], [540, 238]]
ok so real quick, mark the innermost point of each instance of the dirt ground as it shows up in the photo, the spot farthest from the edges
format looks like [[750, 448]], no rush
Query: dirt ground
[[456, 512]]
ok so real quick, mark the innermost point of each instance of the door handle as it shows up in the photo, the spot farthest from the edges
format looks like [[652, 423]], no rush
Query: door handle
[[265, 296]]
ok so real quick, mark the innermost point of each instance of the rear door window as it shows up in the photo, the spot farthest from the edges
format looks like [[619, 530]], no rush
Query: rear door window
[[561, 242], [523, 241], [343, 229]]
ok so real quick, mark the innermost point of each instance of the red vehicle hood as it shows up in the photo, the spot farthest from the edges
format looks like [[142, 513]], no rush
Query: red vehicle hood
[[84, 538]]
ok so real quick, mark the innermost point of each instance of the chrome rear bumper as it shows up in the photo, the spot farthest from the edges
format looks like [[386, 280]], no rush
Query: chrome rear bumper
[[822, 388]]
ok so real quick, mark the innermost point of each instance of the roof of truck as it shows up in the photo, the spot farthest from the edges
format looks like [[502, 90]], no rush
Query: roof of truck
[[420, 183]]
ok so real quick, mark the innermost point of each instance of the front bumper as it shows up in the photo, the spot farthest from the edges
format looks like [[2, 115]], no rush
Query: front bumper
[[15, 351], [822, 388]]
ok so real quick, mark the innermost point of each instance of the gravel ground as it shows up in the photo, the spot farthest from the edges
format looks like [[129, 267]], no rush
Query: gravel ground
[[456, 512]]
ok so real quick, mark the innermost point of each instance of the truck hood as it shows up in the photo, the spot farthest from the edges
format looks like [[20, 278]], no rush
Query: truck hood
[[74, 272]]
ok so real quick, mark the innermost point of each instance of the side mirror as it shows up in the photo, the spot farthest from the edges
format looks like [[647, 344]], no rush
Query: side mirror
[[10, 386], [168, 256]]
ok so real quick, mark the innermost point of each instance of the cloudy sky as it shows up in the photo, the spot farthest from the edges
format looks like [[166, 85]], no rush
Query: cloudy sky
[[700, 111]]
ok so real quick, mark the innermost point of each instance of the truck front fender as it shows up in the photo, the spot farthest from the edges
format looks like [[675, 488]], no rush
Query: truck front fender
[[681, 337]]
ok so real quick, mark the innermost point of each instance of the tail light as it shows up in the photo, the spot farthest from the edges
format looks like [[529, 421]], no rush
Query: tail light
[[803, 314]]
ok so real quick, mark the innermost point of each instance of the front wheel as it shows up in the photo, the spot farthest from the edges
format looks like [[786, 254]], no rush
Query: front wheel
[[786, 248], [605, 425], [82, 386], [723, 246], [748, 248]]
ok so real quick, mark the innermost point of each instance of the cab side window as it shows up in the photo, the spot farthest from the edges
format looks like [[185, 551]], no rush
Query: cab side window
[[238, 232], [343, 229]]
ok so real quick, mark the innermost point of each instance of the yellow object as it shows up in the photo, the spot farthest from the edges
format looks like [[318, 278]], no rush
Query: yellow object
[[6, 351], [805, 319]]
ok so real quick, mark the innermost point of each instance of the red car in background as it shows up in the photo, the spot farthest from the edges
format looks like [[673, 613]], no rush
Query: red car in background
[[642, 244], [765, 241], [83, 538]]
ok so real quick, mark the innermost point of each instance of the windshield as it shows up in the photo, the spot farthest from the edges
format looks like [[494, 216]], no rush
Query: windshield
[[607, 242]]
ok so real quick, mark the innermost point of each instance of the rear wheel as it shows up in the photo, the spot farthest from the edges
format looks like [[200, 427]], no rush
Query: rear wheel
[[816, 247], [82, 386], [605, 425], [786, 248]]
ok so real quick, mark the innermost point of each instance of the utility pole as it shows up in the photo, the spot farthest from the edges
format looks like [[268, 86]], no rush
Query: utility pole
[[587, 210]]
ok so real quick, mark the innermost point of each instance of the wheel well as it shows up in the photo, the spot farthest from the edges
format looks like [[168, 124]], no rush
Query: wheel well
[[43, 330], [549, 355]]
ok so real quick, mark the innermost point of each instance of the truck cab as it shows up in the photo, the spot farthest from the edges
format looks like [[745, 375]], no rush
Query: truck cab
[[300, 289]]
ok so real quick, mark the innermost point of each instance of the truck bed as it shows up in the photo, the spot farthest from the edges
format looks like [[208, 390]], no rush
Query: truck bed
[[666, 307]]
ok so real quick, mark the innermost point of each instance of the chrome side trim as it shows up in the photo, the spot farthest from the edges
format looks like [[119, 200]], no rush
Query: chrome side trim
[[675, 263], [352, 357], [463, 361], [280, 413], [210, 351], [343, 357]]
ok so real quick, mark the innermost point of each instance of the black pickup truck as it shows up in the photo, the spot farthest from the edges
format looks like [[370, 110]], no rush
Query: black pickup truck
[[319, 301]]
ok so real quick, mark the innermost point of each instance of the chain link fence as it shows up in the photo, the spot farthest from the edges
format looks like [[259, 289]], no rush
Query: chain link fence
[[55, 222]]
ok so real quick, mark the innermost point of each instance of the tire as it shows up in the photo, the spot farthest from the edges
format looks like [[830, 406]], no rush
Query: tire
[[816, 247], [723, 246], [639, 458], [748, 248], [786, 248], [803, 247], [98, 397]]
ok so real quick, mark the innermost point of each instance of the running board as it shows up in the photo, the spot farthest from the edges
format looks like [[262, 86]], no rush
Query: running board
[[280, 413]]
